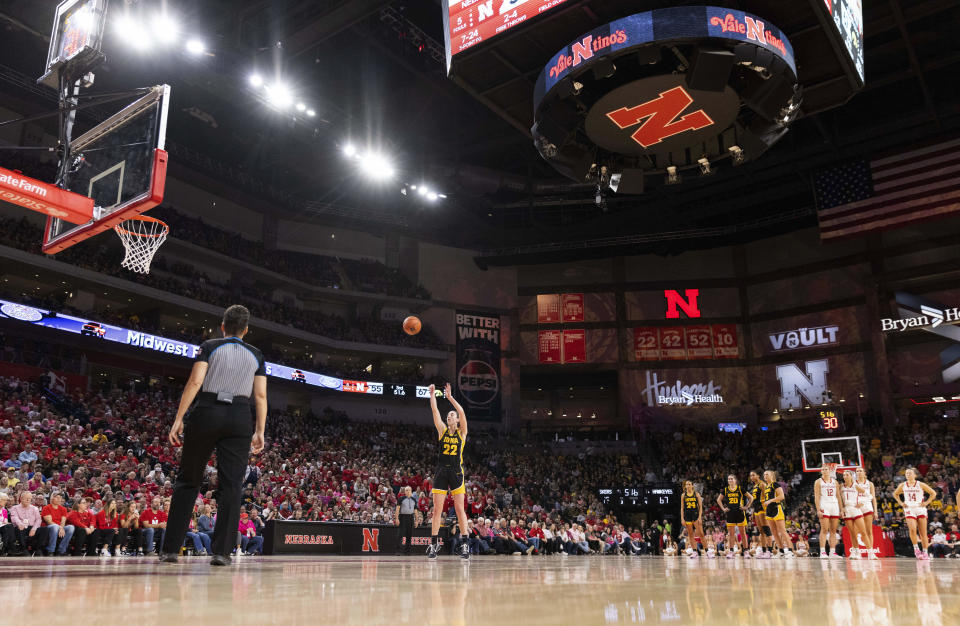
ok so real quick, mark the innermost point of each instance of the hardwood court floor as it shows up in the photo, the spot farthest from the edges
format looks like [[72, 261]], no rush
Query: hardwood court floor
[[487, 591]]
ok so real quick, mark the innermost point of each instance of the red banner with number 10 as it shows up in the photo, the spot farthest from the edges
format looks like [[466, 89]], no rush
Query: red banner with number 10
[[725, 342]]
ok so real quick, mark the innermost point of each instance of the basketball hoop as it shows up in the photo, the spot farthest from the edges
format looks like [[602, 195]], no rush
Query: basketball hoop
[[142, 236]]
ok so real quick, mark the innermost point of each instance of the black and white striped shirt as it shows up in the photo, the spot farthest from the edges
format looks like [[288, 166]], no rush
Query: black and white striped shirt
[[232, 366]]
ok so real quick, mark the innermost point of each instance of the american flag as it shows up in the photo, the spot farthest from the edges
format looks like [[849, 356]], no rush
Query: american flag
[[861, 197]]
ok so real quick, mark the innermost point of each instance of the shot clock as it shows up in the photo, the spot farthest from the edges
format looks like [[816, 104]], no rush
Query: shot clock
[[830, 419]]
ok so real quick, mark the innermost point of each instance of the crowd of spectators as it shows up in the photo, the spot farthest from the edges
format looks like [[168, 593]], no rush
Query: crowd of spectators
[[185, 280], [323, 271], [522, 495]]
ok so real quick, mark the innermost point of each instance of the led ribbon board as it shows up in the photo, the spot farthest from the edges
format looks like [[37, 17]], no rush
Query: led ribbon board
[[117, 334]]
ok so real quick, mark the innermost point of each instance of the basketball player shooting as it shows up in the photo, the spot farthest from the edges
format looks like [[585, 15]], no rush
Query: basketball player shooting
[[449, 475]]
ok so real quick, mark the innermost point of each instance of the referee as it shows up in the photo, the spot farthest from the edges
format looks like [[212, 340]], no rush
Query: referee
[[227, 373], [405, 509]]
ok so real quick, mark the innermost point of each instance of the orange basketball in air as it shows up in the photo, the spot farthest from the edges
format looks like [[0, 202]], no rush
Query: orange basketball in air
[[412, 325]]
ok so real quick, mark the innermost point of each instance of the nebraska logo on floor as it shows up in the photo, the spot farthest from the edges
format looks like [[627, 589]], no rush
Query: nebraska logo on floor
[[308, 540], [371, 540]]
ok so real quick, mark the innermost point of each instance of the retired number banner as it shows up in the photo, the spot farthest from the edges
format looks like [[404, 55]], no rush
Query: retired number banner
[[725, 342], [699, 342], [673, 344], [646, 343], [478, 364]]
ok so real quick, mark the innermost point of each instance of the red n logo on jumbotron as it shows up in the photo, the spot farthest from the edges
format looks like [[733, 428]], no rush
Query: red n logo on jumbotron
[[371, 540], [687, 302], [661, 117]]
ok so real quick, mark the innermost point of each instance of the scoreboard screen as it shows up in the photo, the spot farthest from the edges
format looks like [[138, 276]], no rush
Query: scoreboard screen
[[408, 391], [359, 386], [847, 18], [469, 22], [830, 419], [640, 496]]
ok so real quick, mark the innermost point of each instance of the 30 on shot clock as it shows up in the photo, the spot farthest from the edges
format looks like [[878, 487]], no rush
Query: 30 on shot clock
[[830, 419]]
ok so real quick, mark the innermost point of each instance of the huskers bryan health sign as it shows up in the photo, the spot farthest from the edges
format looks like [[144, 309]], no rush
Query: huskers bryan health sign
[[478, 364]]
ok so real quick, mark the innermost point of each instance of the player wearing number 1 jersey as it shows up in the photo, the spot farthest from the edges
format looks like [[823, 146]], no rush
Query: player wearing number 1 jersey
[[449, 475]]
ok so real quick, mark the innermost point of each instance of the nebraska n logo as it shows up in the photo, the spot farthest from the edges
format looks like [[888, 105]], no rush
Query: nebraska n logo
[[371, 540], [689, 305], [661, 117]]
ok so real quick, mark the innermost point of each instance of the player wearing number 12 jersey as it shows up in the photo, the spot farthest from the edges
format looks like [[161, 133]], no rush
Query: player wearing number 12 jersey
[[448, 478], [826, 495]]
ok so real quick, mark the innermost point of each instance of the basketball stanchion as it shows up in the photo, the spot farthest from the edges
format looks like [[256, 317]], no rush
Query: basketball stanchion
[[142, 236]]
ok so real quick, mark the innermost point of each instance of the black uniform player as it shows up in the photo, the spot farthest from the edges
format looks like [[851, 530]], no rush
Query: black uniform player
[[733, 505], [449, 475], [691, 508]]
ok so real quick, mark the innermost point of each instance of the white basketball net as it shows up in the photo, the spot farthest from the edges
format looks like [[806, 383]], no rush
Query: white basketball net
[[142, 236]]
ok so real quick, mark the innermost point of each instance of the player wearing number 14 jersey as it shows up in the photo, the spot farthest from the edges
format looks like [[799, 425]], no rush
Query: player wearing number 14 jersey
[[914, 496], [448, 478]]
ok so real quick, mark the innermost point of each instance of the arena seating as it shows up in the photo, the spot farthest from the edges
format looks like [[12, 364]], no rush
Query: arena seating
[[326, 467], [185, 280]]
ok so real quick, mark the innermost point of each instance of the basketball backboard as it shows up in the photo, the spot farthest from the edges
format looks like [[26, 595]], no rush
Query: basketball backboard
[[120, 163], [843, 451]]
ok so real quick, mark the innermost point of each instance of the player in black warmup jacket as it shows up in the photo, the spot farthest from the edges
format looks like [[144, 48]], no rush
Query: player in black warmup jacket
[[449, 475]]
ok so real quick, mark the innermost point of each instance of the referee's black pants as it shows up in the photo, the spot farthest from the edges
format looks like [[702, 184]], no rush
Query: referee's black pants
[[405, 531], [228, 429]]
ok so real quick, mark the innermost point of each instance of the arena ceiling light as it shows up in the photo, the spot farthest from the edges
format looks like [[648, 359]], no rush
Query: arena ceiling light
[[165, 28], [133, 32], [672, 177], [704, 164], [279, 95], [256, 80], [736, 154], [196, 47], [373, 165], [424, 191]]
